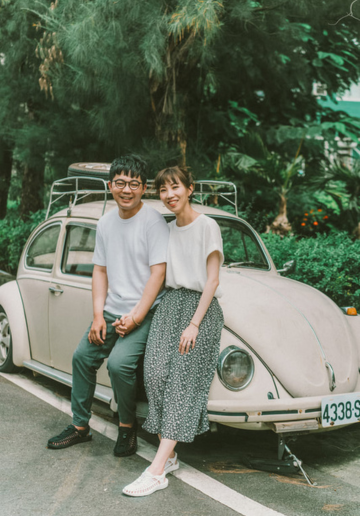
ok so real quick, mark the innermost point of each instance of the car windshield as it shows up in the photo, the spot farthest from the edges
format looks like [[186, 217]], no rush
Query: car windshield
[[241, 247]]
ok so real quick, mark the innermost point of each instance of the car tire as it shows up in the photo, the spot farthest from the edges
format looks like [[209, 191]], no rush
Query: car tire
[[6, 362]]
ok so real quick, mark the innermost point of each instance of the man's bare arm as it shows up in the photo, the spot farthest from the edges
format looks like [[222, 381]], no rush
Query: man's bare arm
[[151, 290], [97, 332]]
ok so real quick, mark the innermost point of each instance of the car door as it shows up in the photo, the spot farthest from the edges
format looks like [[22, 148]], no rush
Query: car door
[[34, 278], [70, 304]]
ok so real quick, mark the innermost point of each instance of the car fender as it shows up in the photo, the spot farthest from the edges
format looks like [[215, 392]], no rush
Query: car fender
[[11, 302], [354, 325]]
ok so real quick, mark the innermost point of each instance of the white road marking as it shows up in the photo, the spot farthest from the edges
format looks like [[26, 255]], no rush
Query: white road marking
[[187, 474]]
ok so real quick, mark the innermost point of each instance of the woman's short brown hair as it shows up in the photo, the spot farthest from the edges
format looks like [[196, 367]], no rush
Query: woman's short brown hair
[[174, 175]]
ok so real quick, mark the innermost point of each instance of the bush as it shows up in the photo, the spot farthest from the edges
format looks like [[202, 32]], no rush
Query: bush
[[330, 263], [13, 234]]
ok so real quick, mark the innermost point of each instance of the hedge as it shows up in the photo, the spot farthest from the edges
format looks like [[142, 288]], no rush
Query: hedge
[[330, 263], [13, 234]]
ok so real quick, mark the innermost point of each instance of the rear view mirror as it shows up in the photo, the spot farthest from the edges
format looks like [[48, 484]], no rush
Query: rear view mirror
[[288, 268]]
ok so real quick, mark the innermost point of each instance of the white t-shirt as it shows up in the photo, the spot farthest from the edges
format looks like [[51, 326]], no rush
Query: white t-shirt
[[189, 247], [128, 248]]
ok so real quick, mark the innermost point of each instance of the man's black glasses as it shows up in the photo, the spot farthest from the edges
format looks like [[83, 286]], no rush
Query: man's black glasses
[[120, 184]]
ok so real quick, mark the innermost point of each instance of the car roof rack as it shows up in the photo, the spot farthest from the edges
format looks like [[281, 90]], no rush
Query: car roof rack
[[85, 179], [211, 190], [77, 188]]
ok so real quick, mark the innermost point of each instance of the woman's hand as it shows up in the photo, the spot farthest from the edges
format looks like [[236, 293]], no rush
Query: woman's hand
[[188, 339], [126, 324]]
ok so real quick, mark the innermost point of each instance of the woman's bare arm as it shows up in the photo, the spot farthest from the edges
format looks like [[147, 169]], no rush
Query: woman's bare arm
[[189, 335]]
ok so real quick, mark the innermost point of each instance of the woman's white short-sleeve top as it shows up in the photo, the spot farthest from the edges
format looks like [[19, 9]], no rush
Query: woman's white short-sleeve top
[[188, 250]]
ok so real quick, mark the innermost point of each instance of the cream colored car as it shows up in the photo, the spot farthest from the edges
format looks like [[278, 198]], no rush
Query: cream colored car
[[289, 356]]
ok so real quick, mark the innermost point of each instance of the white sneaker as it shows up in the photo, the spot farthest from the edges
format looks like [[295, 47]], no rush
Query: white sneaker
[[146, 484], [171, 465]]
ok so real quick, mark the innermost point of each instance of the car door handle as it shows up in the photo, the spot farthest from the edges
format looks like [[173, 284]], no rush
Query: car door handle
[[53, 289]]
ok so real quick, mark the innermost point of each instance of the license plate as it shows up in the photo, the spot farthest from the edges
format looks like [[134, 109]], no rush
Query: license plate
[[341, 409]]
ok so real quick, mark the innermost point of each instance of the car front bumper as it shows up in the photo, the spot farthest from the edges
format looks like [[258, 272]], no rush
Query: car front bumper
[[233, 413]]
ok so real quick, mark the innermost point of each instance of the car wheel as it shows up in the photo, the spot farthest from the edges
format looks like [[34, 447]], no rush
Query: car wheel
[[6, 363]]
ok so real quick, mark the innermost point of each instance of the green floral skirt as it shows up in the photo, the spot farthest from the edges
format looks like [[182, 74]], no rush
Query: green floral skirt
[[177, 386]]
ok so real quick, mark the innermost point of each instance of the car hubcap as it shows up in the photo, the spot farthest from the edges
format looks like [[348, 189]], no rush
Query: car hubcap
[[4, 338]]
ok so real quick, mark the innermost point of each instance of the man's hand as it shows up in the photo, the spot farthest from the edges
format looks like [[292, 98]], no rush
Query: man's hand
[[125, 326], [97, 333]]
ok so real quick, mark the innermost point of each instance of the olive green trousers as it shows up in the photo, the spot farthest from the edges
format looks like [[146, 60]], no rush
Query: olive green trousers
[[123, 354]]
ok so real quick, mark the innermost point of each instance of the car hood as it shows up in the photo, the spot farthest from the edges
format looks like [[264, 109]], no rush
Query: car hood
[[294, 328]]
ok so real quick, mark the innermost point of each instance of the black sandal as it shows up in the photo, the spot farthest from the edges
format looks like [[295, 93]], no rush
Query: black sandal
[[69, 437], [126, 443]]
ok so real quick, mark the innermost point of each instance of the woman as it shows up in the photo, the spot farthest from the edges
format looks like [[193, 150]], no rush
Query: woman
[[184, 339]]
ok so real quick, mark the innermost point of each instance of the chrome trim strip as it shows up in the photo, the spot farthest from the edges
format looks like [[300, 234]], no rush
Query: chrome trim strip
[[330, 370], [102, 393], [230, 414], [33, 277], [58, 282]]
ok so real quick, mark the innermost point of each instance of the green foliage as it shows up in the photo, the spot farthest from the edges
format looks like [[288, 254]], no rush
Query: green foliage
[[136, 70], [313, 221], [258, 218], [160, 77], [337, 174], [13, 235], [329, 263]]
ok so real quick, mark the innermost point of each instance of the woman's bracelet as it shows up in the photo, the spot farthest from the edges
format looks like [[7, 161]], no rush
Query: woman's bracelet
[[133, 320], [194, 324]]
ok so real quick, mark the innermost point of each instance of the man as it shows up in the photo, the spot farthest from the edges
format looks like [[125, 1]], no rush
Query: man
[[129, 273]]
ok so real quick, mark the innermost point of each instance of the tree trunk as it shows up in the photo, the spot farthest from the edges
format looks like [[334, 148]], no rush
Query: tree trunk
[[5, 176], [280, 225], [356, 231], [31, 192], [168, 100]]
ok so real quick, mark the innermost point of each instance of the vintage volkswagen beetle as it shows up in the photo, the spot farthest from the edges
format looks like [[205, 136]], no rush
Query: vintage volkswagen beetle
[[289, 356]]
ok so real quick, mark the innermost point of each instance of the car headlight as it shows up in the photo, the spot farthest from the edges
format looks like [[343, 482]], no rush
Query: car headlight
[[235, 368]]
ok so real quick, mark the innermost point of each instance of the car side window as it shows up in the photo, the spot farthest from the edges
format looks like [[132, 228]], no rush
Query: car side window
[[251, 248], [79, 250], [41, 252], [240, 245]]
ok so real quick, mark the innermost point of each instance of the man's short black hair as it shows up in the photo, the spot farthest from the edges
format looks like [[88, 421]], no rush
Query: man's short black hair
[[130, 165]]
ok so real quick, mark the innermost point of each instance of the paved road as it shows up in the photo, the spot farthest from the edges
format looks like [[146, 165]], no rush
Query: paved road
[[87, 479], [83, 480]]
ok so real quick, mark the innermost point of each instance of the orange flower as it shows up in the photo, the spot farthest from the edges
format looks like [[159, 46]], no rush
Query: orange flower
[[311, 211], [319, 209], [315, 223], [303, 224], [304, 218], [306, 214], [326, 217]]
